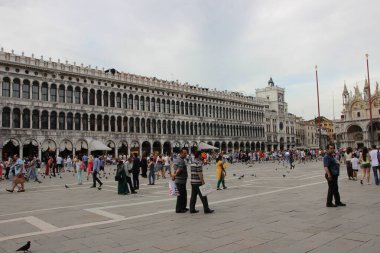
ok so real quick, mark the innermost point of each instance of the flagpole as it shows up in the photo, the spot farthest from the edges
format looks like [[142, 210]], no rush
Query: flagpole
[[370, 104], [319, 112]]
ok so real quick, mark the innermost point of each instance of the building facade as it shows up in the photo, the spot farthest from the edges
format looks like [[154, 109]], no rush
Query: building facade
[[280, 124], [354, 128], [51, 107]]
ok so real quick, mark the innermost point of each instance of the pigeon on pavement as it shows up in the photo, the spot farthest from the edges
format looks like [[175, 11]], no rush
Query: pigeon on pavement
[[66, 186], [25, 248]]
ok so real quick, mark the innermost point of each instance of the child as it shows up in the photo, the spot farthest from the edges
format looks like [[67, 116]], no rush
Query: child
[[355, 166]]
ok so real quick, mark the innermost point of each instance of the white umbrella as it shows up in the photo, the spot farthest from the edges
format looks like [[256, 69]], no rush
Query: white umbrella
[[97, 145], [205, 146]]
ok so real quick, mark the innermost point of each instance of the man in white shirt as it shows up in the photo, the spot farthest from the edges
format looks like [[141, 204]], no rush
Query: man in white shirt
[[374, 163]]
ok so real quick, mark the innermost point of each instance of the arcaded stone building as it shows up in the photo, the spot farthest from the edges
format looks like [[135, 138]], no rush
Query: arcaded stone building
[[54, 107]]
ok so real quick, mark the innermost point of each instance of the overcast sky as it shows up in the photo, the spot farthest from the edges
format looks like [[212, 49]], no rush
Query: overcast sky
[[229, 45]]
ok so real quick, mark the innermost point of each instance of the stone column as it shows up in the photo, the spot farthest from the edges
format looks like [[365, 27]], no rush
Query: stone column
[[39, 152], [21, 153]]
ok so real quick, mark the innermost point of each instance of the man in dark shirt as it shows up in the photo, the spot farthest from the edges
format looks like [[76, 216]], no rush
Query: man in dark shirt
[[136, 171], [196, 181], [180, 178], [331, 167]]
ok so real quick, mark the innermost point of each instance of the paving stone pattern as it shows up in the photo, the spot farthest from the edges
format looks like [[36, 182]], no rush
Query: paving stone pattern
[[263, 213]]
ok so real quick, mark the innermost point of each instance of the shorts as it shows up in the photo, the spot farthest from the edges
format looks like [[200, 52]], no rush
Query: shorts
[[366, 166]]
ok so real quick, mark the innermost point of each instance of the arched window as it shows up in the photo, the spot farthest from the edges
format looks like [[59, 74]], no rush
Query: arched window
[[53, 120], [152, 105], [186, 108], [105, 99], [53, 92], [113, 121], [6, 88], [6, 116], [44, 92], [163, 105], [85, 96], [69, 95], [143, 126], [137, 125], [147, 104], [154, 126], [99, 123], [61, 121], [131, 125], [92, 122], [182, 108], [158, 105], [16, 118], [148, 126], [85, 122], [44, 120], [106, 123], [164, 126], [70, 121], [142, 103], [169, 127], [118, 100], [125, 101], [77, 95], [26, 118], [130, 102], [16, 88], [112, 99], [172, 107], [61, 93], [125, 124], [159, 126], [36, 119], [26, 89], [92, 97], [77, 122], [136, 103], [99, 98], [119, 122]]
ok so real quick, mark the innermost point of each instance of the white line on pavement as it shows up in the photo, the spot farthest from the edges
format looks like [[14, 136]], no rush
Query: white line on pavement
[[91, 224]]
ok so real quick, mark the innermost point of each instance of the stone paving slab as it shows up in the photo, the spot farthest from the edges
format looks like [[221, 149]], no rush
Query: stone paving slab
[[266, 213]]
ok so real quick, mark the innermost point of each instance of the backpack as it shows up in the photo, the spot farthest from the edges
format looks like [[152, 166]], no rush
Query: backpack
[[118, 174]]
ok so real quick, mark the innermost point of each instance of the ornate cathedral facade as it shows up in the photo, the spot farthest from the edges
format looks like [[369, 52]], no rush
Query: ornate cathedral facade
[[354, 128]]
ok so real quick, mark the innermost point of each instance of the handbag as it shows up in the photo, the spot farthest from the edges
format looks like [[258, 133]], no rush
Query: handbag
[[206, 189], [173, 190]]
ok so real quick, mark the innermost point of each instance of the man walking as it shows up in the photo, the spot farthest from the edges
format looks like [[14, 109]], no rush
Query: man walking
[[374, 153], [95, 172], [331, 167], [180, 177], [196, 181], [136, 171]]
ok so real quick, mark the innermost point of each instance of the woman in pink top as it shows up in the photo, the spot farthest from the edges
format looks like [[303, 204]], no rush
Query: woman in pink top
[[90, 163]]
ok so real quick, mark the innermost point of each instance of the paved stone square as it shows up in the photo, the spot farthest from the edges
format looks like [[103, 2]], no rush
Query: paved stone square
[[261, 212]]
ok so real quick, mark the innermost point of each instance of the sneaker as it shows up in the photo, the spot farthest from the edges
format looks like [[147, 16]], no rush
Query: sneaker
[[9, 190], [340, 204], [218, 189], [21, 191], [225, 187], [209, 211], [331, 205]]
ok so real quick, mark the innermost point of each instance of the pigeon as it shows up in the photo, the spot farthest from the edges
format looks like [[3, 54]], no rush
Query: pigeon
[[49, 176], [252, 175], [250, 166], [276, 168], [283, 175], [234, 175], [242, 175], [66, 186], [239, 178], [25, 248], [106, 177], [60, 177]]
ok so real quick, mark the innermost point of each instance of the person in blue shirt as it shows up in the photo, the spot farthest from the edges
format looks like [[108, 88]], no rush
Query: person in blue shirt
[[18, 168], [331, 167], [95, 172]]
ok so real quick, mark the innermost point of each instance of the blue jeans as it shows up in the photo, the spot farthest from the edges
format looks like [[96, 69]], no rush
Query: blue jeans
[[151, 177], [375, 175]]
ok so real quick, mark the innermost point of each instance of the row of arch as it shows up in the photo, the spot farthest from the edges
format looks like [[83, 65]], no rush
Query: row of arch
[[90, 122], [65, 147], [77, 95]]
